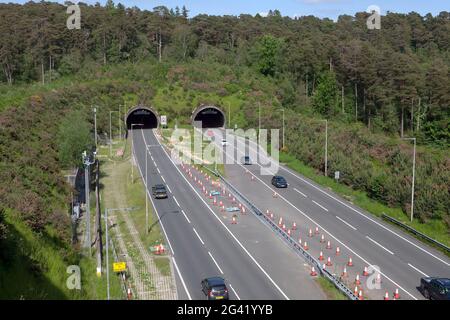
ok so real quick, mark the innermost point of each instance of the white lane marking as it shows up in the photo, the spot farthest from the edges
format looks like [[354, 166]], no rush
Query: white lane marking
[[162, 177], [351, 208], [175, 199], [198, 236], [379, 245], [217, 265], [347, 247], [301, 193], [169, 189], [234, 291], [226, 228], [158, 170], [185, 216], [421, 272], [346, 223], [181, 278], [151, 199], [320, 206]]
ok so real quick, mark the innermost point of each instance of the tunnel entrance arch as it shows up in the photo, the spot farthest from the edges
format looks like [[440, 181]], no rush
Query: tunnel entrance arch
[[210, 116], [146, 116]]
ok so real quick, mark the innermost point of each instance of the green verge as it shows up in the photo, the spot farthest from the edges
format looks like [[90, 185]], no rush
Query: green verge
[[434, 228], [330, 290]]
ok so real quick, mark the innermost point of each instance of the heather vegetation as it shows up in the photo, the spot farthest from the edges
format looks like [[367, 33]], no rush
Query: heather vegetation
[[373, 86]]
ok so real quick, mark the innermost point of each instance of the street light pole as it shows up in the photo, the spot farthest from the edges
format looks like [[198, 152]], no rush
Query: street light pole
[[107, 253], [87, 163], [146, 188], [95, 127], [413, 176], [132, 150], [326, 147]]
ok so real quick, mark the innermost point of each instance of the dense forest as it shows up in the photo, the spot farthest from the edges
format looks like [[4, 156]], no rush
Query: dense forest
[[374, 86], [395, 79]]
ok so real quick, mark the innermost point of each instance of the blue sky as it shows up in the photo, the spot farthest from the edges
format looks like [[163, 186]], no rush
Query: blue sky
[[319, 8]]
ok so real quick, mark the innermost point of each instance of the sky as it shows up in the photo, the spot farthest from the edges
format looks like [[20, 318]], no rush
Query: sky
[[319, 8]]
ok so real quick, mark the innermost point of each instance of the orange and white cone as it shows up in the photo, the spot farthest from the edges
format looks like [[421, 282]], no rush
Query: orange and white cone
[[280, 222], [322, 238], [328, 244], [396, 294], [284, 227], [222, 208], [378, 279], [313, 272], [360, 295], [305, 246], [365, 272], [350, 262], [271, 216], [294, 226], [338, 251], [129, 294], [329, 264], [356, 291], [300, 241], [215, 201], [317, 230], [233, 220], [253, 178], [289, 232], [344, 273], [267, 212], [386, 296], [321, 256], [243, 210], [357, 281], [310, 233]]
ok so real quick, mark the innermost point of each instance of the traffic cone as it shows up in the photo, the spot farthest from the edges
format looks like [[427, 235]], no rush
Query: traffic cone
[[321, 256], [322, 239], [350, 262], [338, 251], [344, 273], [386, 296], [357, 281], [310, 233], [294, 226], [289, 232], [300, 241], [365, 272], [378, 279], [253, 178], [267, 212], [324, 266], [396, 294], [317, 230], [234, 200], [129, 294], [356, 291], [233, 220], [280, 222], [222, 208], [313, 272], [215, 201], [360, 295], [271, 216], [329, 264], [328, 245], [243, 210], [284, 227], [305, 246], [220, 203]]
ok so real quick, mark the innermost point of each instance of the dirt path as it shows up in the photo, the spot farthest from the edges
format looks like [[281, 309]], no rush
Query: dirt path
[[148, 281]]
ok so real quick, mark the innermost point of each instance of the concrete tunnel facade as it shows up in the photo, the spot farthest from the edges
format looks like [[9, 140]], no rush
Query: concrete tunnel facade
[[145, 116], [210, 117]]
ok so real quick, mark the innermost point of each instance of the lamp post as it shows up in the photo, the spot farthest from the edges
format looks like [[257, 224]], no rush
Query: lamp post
[[95, 126], [413, 176], [326, 147], [282, 110], [132, 149], [87, 164], [110, 131]]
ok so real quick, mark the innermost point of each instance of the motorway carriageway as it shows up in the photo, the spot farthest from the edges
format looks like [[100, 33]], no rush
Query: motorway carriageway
[[402, 259], [203, 242]]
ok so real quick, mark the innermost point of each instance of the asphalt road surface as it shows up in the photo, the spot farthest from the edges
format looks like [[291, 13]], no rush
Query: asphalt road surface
[[203, 242], [401, 259]]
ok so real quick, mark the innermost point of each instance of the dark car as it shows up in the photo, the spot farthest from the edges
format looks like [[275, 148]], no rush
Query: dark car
[[215, 288], [435, 288], [279, 182], [159, 191], [246, 161]]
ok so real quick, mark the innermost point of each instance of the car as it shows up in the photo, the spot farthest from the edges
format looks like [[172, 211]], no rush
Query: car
[[279, 182], [434, 288], [224, 142], [159, 191], [215, 288], [246, 160]]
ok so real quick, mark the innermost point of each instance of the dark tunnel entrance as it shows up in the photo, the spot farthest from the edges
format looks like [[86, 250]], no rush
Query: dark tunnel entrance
[[210, 117], [144, 116]]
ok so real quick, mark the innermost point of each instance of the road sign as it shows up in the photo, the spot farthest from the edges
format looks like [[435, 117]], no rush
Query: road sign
[[164, 120], [119, 266], [337, 175]]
